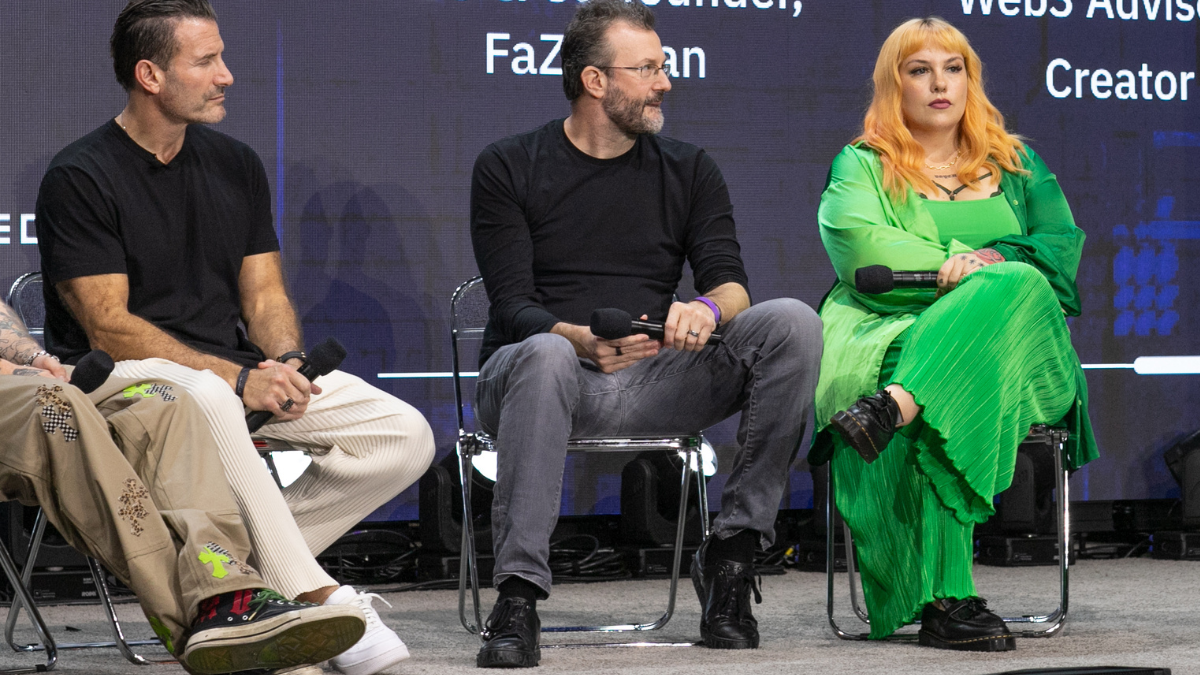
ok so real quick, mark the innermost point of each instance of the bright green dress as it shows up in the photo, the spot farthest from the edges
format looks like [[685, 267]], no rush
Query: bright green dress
[[985, 361]]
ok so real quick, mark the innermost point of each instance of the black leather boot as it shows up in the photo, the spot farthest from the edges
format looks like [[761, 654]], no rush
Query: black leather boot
[[724, 588], [966, 625], [869, 424], [510, 637]]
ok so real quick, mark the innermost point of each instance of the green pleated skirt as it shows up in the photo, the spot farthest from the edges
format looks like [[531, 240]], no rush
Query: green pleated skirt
[[985, 362]]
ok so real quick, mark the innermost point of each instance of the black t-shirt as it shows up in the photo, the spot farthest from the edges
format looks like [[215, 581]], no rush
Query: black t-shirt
[[179, 231], [558, 233]]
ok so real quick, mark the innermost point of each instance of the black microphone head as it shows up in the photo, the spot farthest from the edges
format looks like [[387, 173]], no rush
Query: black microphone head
[[874, 279], [611, 323], [92, 370], [327, 356]]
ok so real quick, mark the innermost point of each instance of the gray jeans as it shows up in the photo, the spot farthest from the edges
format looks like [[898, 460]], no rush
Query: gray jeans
[[535, 395]]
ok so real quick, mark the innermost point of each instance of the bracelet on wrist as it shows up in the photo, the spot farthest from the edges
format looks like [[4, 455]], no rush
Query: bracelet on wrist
[[38, 354], [240, 389], [295, 354], [713, 306]]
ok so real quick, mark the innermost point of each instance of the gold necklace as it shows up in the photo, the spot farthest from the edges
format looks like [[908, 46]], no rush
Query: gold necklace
[[947, 165]]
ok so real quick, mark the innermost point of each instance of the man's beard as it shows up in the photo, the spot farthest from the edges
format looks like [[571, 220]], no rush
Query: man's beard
[[182, 106], [629, 115]]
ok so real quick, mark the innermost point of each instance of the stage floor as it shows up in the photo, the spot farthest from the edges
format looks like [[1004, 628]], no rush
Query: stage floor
[[1123, 612]]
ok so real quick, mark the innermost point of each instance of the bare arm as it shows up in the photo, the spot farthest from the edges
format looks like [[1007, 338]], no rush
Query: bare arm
[[18, 349], [101, 305], [267, 310]]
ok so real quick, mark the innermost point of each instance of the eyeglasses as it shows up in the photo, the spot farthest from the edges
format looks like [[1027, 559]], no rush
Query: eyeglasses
[[644, 72]]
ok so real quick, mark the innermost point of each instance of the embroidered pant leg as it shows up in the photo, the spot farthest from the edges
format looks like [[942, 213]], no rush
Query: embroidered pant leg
[[60, 454]]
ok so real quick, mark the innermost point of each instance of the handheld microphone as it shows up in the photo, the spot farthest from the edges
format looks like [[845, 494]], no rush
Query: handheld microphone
[[324, 359], [92, 371], [881, 279], [614, 324]]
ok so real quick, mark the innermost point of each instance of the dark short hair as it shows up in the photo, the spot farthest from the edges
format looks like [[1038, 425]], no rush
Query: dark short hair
[[585, 45], [145, 29]]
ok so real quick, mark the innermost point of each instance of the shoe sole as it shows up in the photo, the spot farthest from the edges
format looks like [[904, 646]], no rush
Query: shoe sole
[[374, 664], [298, 638], [508, 658], [855, 436], [1005, 643], [713, 642]]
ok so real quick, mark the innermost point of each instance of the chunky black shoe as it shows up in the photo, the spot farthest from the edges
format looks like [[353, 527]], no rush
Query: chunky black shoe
[[724, 587], [260, 629], [869, 424], [966, 625], [510, 637]]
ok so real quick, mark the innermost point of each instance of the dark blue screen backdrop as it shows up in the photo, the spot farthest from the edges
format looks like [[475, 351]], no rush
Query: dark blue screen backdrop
[[368, 116]]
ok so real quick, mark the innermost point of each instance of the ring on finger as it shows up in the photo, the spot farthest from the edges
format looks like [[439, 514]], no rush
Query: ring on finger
[[287, 405], [619, 352], [693, 333]]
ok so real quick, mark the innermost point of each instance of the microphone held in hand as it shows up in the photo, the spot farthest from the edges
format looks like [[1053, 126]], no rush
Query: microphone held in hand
[[322, 360], [92, 371], [878, 279], [614, 324]]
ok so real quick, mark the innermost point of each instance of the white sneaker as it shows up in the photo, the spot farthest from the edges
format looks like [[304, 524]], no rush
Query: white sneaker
[[378, 649]]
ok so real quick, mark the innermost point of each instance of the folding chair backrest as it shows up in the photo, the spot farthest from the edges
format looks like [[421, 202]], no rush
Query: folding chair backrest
[[468, 317], [469, 307], [25, 297]]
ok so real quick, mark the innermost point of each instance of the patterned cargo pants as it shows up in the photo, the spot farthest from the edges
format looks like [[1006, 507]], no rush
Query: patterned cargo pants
[[131, 476]]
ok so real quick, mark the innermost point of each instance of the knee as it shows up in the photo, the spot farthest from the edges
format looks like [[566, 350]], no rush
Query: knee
[[406, 436], [546, 356], [211, 392], [794, 324], [1018, 279]]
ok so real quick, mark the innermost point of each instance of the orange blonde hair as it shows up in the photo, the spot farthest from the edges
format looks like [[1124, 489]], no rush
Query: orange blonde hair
[[983, 141]]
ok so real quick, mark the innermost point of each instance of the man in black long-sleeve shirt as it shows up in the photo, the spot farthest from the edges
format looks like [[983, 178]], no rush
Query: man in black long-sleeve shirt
[[597, 211]]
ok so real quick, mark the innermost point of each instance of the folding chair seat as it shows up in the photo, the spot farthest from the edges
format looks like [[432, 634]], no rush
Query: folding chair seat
[[469, 314], [1052, 621]]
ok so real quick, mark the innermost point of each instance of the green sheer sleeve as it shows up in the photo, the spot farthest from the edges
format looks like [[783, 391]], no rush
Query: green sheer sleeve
[[1052, 242]]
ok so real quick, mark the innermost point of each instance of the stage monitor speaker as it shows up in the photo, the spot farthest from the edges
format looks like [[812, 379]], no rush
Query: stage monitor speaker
[[440, 508], [1091, 670], [16, 527], [650, 502], [1183, 461], [1027, 506]]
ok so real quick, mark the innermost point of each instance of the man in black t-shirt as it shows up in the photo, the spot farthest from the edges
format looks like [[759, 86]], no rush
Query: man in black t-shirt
[[156, 239], [596, 211]]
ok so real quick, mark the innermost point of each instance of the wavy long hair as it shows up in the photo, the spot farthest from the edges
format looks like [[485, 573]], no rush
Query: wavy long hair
[[983, 141]]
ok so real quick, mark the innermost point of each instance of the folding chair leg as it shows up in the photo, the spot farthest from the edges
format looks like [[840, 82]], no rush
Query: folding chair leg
[[123, 645], [467, 562], [110, 613], [1058, 617], [1055, 619], [21, 597]]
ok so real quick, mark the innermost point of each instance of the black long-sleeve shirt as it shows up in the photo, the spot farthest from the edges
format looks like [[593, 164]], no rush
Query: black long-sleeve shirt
[[558, 233]]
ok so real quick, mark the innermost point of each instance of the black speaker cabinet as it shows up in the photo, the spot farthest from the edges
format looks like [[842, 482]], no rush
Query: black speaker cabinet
[[650, 502], [440, 508], [16, 526]]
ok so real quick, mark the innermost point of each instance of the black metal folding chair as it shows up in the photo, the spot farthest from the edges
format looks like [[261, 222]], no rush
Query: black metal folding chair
[[469, 312], [1053, 621]]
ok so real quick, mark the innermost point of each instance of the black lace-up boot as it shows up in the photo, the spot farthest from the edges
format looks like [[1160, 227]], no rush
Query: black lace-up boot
[[510, 637], [966, 625], [724, 589], [869, 424]]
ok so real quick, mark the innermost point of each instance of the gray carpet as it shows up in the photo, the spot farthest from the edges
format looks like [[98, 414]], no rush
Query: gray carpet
[[1123, 612]]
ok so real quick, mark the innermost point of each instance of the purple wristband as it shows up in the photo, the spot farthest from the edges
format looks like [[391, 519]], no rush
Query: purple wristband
[[713, 306]]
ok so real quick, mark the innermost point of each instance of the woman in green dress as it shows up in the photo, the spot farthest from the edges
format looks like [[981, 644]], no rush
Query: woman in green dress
[[925, 395]]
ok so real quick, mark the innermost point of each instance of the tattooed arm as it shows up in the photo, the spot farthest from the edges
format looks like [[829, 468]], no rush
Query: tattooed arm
[[18, 349]]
